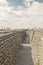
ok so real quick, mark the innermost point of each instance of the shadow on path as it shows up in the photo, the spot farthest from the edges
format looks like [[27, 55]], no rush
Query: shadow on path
[[26, 38], [25, 56]]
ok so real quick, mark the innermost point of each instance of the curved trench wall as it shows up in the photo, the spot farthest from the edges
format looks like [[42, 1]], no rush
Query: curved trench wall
[[37, 48], [9, 46], [36, 41]]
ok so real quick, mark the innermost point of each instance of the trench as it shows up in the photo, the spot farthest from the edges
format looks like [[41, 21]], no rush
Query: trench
[[24, 56]]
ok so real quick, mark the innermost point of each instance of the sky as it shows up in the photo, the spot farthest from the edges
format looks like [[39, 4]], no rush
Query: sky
[[21, 14]]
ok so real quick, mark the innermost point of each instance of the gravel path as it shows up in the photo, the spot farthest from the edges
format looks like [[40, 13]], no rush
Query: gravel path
[[25, 55]]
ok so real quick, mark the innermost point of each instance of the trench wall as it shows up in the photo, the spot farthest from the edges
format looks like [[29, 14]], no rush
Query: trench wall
[[37, 48], [36, 41], [9, 46]]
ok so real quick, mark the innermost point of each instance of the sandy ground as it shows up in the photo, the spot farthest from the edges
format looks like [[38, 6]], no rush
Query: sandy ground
[[25, 55]]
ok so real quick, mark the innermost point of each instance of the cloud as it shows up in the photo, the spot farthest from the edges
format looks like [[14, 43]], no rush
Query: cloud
[[3, 2], [28, 2], [7, 10], [29, 17], [33, 10]]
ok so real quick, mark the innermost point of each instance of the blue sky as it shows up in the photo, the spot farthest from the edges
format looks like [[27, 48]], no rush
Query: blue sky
[[21, 13], [16, 3]]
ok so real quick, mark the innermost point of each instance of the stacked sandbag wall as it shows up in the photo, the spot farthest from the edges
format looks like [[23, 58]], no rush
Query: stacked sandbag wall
[[9, 46]]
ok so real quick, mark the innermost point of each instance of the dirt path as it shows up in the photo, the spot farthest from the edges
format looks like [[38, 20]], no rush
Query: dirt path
[[25, 55]]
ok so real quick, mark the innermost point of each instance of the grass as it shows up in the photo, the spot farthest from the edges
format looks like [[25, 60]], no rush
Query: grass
[[38, 63]]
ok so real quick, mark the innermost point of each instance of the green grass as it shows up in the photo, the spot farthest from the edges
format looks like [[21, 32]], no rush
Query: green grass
[[38, 63]]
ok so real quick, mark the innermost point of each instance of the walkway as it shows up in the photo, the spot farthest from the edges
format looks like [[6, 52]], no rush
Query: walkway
[[25, 55]]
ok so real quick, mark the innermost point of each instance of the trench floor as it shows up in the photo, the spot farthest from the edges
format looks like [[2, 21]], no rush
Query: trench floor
[[24, 56]]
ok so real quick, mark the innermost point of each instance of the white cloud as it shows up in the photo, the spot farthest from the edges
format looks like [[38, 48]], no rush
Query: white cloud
[[29, 18], [3, 2], [33, 10], [27, 2]]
